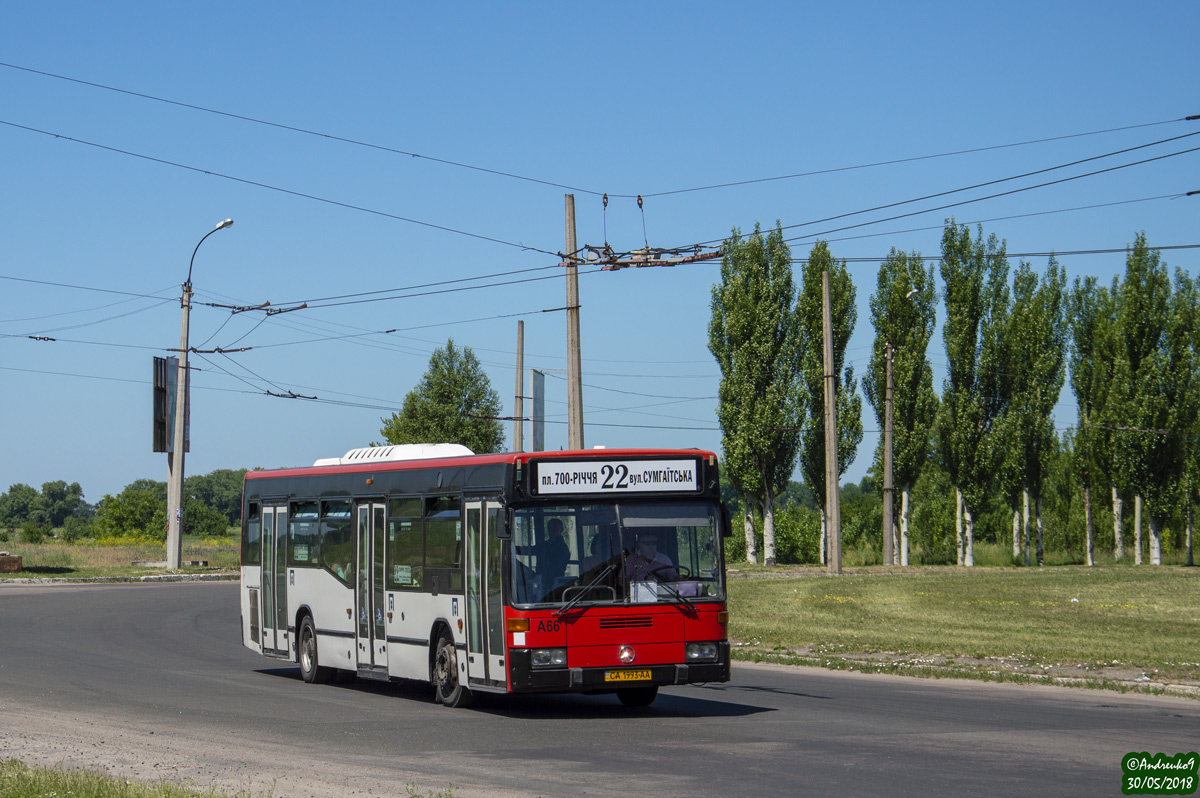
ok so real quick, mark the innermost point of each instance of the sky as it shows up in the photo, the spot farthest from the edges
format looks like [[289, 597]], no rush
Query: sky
[[402, 169]]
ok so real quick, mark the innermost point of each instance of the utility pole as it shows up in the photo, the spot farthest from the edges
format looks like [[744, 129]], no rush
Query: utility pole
[[519, 405], [889, 556], [574, 368], [179, 443], [833, 511], [175, 459]]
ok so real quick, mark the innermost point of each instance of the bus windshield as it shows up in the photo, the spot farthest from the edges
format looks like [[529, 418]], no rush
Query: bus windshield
[[636, 552]]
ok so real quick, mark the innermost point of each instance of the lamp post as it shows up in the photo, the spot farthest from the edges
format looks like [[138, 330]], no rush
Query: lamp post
[[175, 456]]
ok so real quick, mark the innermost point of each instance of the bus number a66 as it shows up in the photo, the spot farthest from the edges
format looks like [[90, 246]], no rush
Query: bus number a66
[[548, 626], [621, 474]]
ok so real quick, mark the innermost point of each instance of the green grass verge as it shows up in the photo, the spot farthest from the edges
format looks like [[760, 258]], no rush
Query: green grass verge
[[60, 560], [20, 781], [1100, 625]]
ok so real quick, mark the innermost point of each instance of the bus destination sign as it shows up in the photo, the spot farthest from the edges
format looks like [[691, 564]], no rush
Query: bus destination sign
[[615, 476]]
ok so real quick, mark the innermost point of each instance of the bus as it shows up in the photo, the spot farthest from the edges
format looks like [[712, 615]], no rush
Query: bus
[[591, 571]]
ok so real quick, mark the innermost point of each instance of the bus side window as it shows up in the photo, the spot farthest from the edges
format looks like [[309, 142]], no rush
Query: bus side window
[[252, 539], [337, 540], [405, 545], [304, 541], [443, 543]]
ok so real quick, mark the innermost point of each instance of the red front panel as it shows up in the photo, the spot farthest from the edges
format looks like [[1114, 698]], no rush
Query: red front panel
[[595, 636]]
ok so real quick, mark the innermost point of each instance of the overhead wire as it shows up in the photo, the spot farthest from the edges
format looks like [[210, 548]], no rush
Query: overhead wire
[[511, 175], [1006, 218], [997, 195], [984, 185], [279, 189], [910, 159]]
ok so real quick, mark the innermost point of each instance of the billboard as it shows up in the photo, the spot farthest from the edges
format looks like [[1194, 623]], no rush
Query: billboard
[[166, 375]]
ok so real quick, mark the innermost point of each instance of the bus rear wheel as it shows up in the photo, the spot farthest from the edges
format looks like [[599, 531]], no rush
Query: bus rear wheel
[[637, 696], [310, 668], [449, 689]]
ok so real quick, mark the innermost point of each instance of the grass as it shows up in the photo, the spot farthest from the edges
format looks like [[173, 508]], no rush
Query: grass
[[1098, 624], [112, 560], [20, 781]]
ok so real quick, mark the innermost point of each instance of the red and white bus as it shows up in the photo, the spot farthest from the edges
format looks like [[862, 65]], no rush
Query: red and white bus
[[572, 571]]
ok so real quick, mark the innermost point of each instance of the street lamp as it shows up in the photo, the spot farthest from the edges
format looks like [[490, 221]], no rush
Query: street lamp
[[175, 457]]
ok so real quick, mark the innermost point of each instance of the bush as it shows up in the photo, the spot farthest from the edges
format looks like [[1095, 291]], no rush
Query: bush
[[76, 528], [6, 534], [135, 512], [735, 544], [201, 520], [32, 533], [797, 535]]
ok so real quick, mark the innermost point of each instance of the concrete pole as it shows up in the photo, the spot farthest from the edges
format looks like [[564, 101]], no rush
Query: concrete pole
[[176, 458], [574, 367], [833, 510]]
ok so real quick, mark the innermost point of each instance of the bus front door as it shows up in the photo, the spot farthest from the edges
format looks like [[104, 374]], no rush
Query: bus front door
[[274, 581], [369, 599], [485, 606]]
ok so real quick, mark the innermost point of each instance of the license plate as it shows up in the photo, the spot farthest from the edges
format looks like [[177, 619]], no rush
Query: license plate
[[627, 676]]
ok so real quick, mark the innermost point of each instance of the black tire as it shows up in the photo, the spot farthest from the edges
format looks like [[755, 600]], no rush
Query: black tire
[[306, 651], [638, 696], [447, 675]]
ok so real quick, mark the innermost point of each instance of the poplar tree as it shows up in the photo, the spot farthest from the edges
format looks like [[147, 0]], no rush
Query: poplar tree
[[1141, 376], [974, 398], [1035, 345], [1164, 411], [903, 311], [1092, 326], [848, 403], [753, 336]]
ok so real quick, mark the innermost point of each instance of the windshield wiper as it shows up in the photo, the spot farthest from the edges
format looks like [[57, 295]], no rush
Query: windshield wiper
[[561, 611], [682, 600]]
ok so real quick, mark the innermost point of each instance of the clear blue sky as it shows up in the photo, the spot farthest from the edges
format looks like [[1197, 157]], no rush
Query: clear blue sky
[[623, 98]]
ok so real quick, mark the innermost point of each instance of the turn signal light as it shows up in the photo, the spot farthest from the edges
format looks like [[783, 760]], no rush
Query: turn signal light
[[517, 624], [723, 616]]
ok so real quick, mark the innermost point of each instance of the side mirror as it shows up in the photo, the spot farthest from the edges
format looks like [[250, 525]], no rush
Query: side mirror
[[726, 522], [504, 525]]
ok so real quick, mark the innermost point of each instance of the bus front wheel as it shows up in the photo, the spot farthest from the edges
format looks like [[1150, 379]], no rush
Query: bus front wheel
[[450, 690], [637, 696], [310, 668]]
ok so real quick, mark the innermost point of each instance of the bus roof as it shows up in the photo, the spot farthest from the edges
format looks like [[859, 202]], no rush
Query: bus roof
[[345, 466]]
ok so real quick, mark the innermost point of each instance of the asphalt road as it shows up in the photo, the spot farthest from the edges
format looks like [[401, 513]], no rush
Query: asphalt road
[[151, 681]]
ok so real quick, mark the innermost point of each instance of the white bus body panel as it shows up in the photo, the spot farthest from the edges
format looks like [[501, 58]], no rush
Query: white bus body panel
[[413, 616], [331, 605]]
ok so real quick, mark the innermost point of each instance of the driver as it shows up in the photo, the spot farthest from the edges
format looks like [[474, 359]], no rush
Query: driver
[[647, 562]]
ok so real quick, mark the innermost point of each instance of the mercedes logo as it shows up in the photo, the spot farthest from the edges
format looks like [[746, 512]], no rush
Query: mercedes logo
[[627, 654]]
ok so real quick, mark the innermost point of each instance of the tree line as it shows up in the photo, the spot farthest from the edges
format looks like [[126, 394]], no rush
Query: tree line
[[212, 503], [1011, 337]]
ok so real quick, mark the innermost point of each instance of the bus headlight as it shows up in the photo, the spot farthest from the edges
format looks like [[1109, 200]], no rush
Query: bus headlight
[[701, 652], [548, 657]]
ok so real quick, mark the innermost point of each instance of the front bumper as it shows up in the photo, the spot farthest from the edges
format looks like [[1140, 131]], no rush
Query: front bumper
[[525, 679]]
